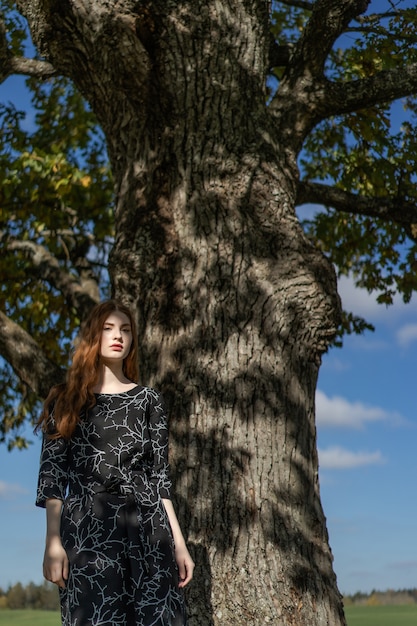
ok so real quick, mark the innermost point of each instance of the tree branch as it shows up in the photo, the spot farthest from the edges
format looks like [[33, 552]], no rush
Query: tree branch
[[328, 20], [304, 95], [394, 209], [32, 67], [27, 358], [10, 64], [80, 294], [384, 86]]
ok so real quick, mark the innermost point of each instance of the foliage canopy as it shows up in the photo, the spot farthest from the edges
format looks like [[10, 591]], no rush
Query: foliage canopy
[[56, 219], [56, 197]]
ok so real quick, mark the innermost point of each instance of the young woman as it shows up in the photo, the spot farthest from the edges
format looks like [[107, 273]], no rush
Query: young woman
[[113, 543]]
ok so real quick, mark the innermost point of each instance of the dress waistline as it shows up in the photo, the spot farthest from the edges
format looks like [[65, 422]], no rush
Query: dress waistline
[[112, 487]]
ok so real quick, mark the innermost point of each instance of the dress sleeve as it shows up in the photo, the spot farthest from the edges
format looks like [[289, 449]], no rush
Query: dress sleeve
[[158, 429], [53, 470]]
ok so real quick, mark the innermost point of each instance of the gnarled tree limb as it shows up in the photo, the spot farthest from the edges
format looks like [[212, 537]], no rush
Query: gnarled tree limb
[[386, 85], [391, 209], [32, 67], [80, 294], [304, 95], [27, 358], [328, 20], [10, 64]]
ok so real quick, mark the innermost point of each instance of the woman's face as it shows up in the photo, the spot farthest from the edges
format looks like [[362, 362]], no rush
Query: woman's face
[[116, 337]]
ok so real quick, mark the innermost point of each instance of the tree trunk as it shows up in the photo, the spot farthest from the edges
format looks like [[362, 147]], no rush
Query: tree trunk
[[234, 306]]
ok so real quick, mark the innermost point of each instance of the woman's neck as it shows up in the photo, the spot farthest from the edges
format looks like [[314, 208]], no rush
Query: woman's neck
[[112, 379]]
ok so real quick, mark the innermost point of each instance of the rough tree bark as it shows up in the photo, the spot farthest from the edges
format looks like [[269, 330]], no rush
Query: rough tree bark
[[234, 305]]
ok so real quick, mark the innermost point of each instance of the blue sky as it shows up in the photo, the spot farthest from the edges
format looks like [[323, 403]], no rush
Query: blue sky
[[367, 426], [366, 419]]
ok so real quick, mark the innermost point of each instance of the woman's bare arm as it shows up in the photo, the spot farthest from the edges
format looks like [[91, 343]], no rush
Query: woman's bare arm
[[183, 557], [55, 562]]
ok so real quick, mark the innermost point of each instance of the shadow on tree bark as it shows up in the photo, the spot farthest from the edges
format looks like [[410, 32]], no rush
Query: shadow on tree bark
[[199, 593], [235, 308], [238, 362]]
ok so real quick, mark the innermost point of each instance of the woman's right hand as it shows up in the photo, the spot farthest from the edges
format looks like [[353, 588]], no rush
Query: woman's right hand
[[55, 562]]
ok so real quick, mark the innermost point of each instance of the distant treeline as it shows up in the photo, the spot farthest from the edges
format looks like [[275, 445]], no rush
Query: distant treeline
[[45, 596], [382, 598], [31, 596]]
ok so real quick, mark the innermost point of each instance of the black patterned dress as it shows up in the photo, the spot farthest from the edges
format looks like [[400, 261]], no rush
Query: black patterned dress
[[112, 476]]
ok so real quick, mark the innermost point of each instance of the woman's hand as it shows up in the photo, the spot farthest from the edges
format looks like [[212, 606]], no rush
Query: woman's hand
[[182, 556], [55, 562], [185, 565]]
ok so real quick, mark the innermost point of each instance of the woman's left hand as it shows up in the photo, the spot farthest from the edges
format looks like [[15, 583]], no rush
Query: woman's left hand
[[185, 565], [182, 556]]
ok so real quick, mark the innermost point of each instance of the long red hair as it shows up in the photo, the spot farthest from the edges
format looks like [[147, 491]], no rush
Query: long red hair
[[71, 398]]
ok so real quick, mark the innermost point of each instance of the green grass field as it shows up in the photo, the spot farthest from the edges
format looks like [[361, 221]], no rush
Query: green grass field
[[381, 615], [29, 618], [355, 615]]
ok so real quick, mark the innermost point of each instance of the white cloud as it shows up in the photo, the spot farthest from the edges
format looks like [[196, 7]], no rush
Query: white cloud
[[357, 300], [10, 490], [364, 304], [406, 335], [336, 457], [339, 412], [334, 364]]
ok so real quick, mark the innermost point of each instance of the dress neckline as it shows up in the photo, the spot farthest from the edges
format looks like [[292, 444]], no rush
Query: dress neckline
[[118, 393]]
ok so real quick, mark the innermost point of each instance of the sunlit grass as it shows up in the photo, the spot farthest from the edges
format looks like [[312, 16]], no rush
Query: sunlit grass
[[393, 615], [355, 615], [29, 618]]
